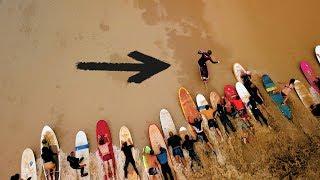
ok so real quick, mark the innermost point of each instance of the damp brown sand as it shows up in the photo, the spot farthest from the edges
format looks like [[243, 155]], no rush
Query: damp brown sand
[[42, 40]]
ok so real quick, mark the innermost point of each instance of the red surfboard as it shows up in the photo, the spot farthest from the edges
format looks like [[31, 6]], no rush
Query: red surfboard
[[230, 92], [106, 150]]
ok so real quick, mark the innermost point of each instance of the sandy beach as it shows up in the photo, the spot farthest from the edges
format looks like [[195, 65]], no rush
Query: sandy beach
[[42, 40]]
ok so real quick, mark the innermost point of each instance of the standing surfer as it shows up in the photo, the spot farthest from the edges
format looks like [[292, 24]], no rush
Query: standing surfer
[[202, 62]]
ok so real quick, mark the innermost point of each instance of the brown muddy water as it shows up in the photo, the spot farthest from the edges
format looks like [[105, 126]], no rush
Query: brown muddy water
[[42, 40]]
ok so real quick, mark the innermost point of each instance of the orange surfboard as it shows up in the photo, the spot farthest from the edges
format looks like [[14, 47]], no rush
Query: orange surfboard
[[188, 106]]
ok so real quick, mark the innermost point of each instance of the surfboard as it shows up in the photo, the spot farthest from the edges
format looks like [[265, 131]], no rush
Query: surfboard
[[242, 92], [157, 141], [303, 93], [237, 71], [188, 106], [125, 136], [82, 150], [49, 135], [167, 123], [103, 130], [202, 103], [28, 165], [214, 100], [309, 74], [230, 92], [315, 95], [276, 97], [317, 52]]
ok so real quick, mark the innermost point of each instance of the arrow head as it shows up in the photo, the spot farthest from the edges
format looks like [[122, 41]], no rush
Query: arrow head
[[150, 66]]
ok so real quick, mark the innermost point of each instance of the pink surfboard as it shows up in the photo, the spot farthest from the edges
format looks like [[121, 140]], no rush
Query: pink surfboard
[[309, 74]]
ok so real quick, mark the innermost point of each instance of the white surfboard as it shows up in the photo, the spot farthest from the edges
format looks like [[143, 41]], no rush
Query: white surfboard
[[242, 92], [237, 71], [82, 150], [48, 134], [167, 123], [28, 165], [317, 51]]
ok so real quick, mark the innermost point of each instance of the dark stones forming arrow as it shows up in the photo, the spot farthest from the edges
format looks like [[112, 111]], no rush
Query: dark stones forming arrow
[[149, 66]]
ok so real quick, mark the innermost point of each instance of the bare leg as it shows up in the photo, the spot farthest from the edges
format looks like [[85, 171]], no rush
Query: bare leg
[[219, 134]]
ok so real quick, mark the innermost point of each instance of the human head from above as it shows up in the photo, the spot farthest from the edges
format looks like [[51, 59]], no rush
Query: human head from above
[[170, 133], [186, 137], [124, 143], [209, 52], [207, 107], [291, 82], [72, 153]]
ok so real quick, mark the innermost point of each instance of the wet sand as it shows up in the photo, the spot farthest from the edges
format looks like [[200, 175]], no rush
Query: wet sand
[[41, 41]]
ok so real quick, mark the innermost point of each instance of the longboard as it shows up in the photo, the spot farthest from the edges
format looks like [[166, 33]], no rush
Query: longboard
[[82, 150], [242, 92], [48, 134], [167, 123], [303, 93], [214, 100], [309, 74], [230, 92], [202, 103], [28, 165], [157, 141], [317, 52], [125, 136], [103, 130], [188, 106], [276, 97], [237, 71], [315, 95]]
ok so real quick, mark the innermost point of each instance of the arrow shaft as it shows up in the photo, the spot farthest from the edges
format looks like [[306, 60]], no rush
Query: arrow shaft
[[97, 66]]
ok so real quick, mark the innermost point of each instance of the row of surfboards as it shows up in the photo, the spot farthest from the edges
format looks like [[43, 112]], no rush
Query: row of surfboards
[[190, 111]]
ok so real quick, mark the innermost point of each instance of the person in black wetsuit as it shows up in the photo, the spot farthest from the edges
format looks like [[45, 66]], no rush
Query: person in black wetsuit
[[75, 163], [202, 62], [163, 160], [224, 118], [315, 109], [127, 151], [188, 144], [246, 79], [199, 131], [256, 111], [175, 142], [48, 157]]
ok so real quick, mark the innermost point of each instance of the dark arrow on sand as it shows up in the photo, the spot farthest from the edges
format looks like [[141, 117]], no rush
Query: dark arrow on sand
[[149, 66]]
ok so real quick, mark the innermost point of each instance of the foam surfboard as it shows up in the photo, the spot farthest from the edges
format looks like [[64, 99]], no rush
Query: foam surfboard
[[49, 135], [276, 97], [315, 95], [237, 71], [317, 52], [82, 150], [28, 165], [167, 123], [125, 136], [214, 100], [309, 74], [106, 150], [303, 93], [242, 92]]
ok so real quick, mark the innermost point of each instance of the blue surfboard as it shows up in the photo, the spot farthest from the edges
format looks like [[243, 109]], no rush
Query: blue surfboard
[[276, 96]]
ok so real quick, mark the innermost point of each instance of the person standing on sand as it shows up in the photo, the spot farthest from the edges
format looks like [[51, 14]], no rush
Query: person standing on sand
[[212, 121], [202, 62], [163, 160], [222, 114], [153, 164], [188, 144], [286, 90], [175, 142], [256, 111], [75, 163], [127, 151]]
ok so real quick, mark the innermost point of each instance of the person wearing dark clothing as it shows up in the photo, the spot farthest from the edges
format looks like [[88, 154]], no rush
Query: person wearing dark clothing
[[246, 79], [175, 142], [188, 144], [315, 109], [224, 118], [256, 111], [202, 62], [255, 93], [163, 160], [197, 126], [49, 159], [75, 163], [127, 151]]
